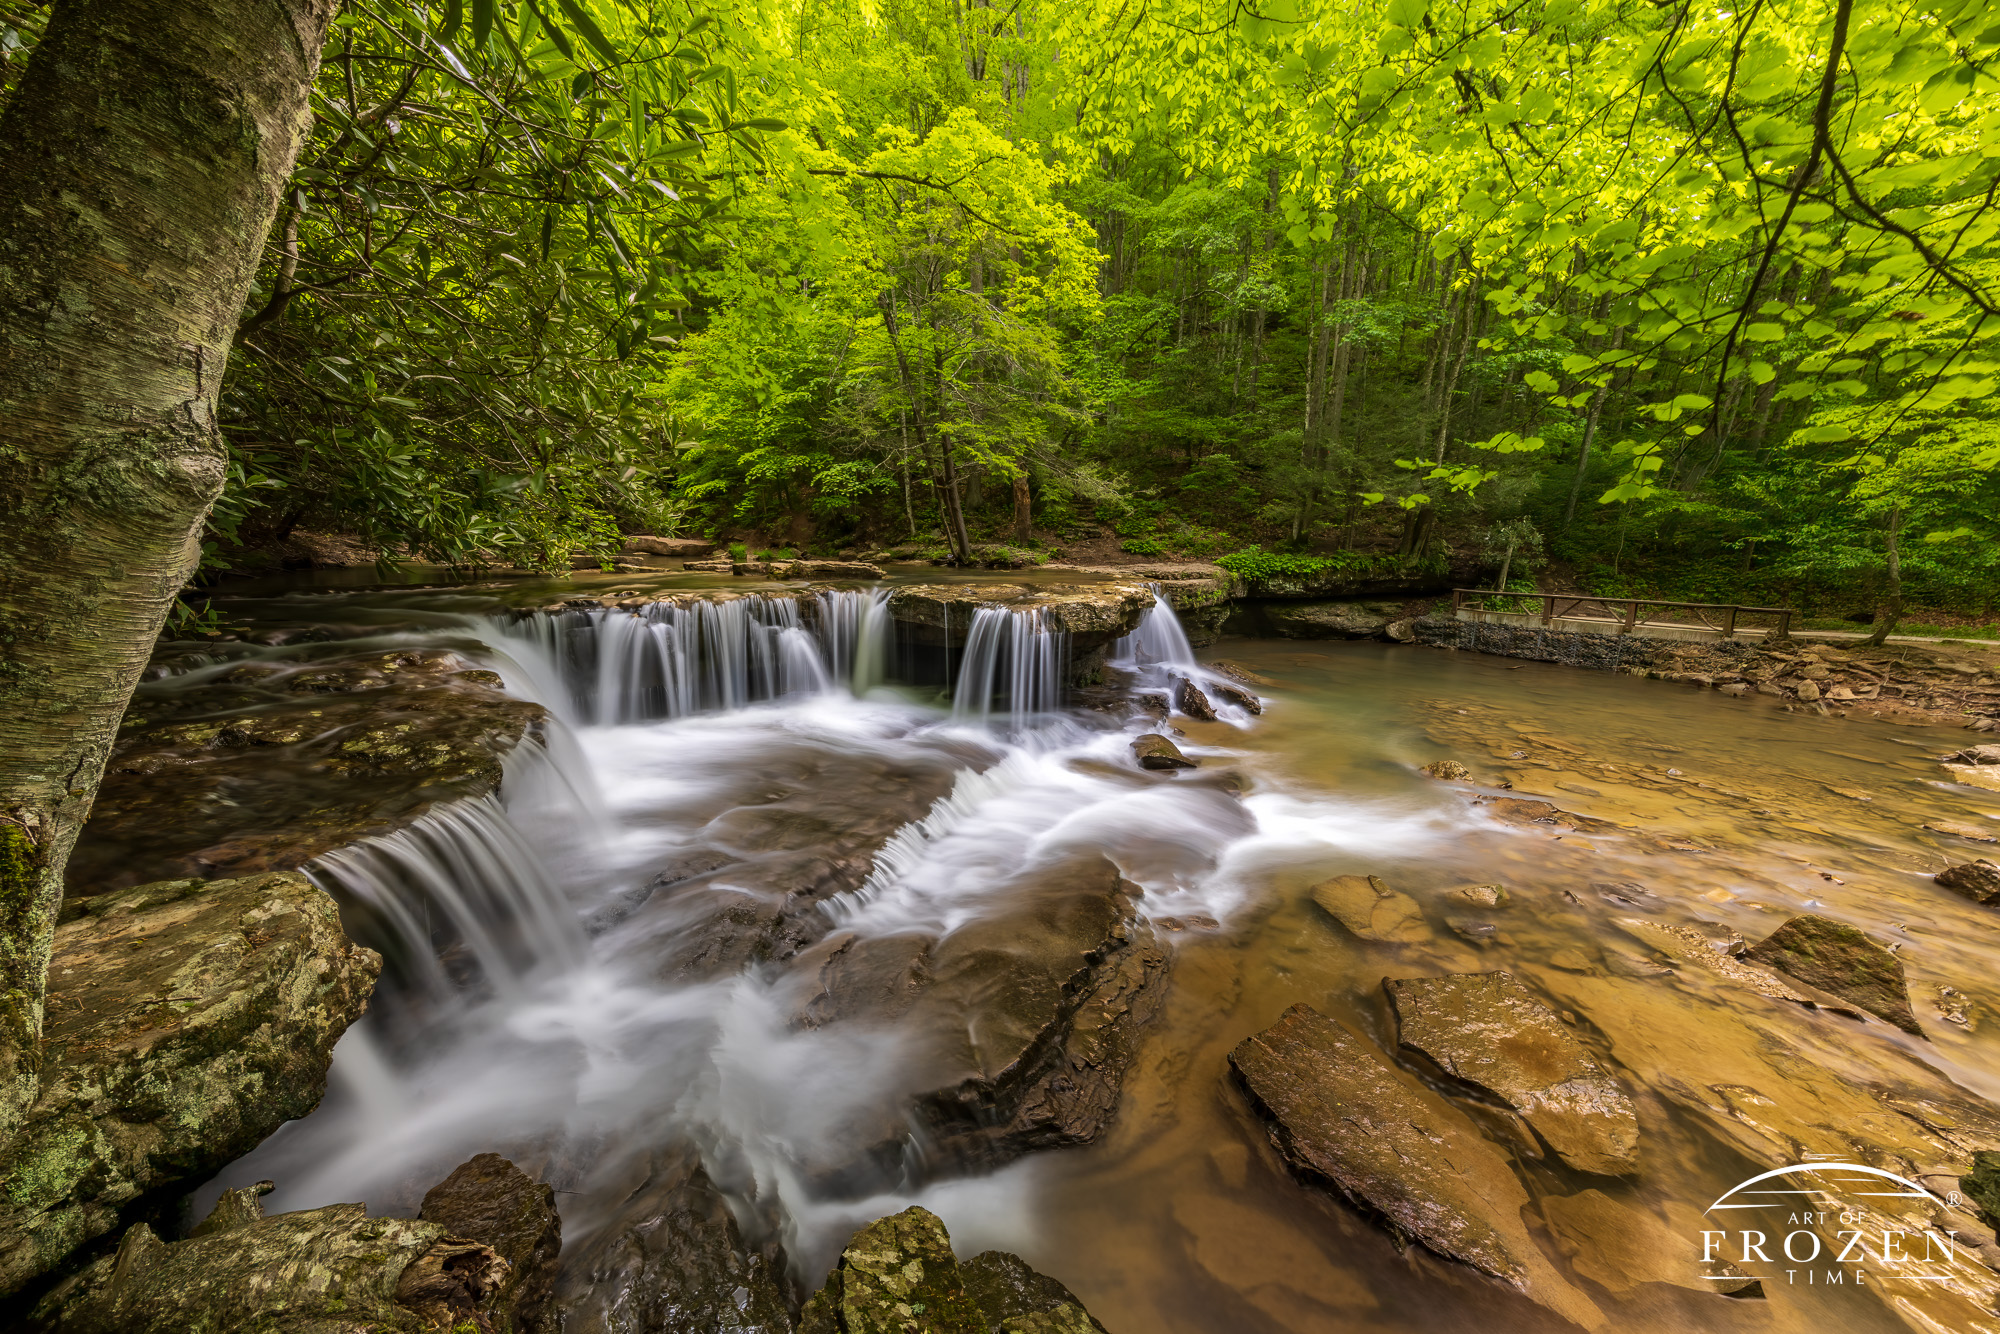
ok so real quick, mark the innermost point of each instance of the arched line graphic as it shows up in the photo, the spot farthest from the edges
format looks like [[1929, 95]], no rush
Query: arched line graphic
[[1914, 1191]]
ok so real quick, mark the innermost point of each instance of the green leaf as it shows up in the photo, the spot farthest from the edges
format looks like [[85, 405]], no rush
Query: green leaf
[[482, 22], [586, 25], [1540, 381], [454, 15]]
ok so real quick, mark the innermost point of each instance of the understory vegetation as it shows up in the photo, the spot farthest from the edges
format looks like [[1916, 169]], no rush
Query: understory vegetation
[[1648, 298]]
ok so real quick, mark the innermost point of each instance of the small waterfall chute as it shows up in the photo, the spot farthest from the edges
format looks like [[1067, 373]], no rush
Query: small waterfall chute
[[1015, 653]]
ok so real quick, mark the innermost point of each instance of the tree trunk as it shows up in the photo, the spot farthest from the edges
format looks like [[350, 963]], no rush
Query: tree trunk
[[1023, 517], [141, 163], [1891, 610]]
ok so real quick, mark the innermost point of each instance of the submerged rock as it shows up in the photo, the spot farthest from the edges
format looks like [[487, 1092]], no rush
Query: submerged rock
[[322, 1271], [672, 1258], [1977, 880], [1696, 947], [1156, 752], [1341, 1113], [1448, 771], [1619, 1248], [1974, 755], [489, 1198], [899, 1276], [186, 1021], [1843, 961], [1493, 1035], [1371, 910]]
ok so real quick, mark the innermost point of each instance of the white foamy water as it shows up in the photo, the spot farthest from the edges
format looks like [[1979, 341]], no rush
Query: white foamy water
[[561, 1026]]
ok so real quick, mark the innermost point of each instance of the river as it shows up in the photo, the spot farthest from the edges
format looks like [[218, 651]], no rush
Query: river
[[606, 1017]]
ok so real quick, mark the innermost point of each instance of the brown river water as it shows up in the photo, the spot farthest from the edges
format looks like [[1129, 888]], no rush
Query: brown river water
[[1181, 1218]]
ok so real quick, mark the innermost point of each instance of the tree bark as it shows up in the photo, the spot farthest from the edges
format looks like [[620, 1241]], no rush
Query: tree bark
[[1023, 509], [1891, 610], [141, 162]]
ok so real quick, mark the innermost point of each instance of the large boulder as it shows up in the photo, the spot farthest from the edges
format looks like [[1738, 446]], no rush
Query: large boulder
[[271, 764], [186, 1021], [1343, 1114], [490, 1199], [1330, 620], [1494, 1036], [321, 1271], [899, 1276], [671, 1257], [1844, 961], [1031, 1016], [690, 547]]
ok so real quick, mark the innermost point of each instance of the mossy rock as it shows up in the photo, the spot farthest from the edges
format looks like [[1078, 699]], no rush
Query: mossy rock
[[1844, 961]]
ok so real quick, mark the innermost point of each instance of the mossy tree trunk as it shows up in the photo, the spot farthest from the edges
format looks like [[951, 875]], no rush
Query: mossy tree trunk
[[142, 158]]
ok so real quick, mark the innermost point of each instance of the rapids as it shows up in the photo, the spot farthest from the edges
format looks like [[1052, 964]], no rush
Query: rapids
[[582, 1015]]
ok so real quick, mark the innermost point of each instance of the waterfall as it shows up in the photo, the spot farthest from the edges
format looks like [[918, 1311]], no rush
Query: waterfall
[[1016, 652], [463, 875], [675, 659], [1158, 640]]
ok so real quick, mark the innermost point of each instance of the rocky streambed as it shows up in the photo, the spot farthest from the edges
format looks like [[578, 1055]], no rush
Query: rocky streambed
[[1327, 987]]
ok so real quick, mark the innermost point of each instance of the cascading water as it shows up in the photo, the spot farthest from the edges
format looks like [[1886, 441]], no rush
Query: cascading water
[[611, 983], [1157, 653], [674, 659], [1016, 653]]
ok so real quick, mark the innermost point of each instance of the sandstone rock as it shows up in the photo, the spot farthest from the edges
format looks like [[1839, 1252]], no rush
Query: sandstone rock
[[1447, 771], [1242, 699], [1843, 961], [1484, 896], [494, 1202], [1808, 691], [1840, 694], [322, 1271], [224, 779], [1523, 811], [692, 547], [1341, 1113], [709, 566], [1327, 620], [1977, 880], [899, 1276], [671, 1258], [1372, 910], [1403, 631], [1493, 1035], [186, 1021], [1693, 946], [1156, 752], [1189, 699], [1016, 1299], [1975, 755], [1733, 688], [1619, 1248], [1959, 829]]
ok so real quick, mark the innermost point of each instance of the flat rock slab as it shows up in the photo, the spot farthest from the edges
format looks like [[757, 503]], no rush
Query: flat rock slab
[[186, 1021], [899, 1276], [1330, 620], [1844, 961], [1154, 751], [1489, 1032], [1695, 948], [1371, 910], [1619, 1248], [271, 764], [1341, 1112], [1092, 615]]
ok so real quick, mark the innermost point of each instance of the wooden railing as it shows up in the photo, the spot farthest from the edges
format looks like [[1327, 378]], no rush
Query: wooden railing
[[1630, 613]]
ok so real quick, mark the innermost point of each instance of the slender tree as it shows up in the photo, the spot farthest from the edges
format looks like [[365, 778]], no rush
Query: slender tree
[[142, 159]]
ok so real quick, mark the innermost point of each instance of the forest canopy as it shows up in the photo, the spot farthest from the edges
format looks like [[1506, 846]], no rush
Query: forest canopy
[[1687, 300]]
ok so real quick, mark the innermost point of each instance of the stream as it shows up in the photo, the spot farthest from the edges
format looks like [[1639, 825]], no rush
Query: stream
[[625, 967]]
